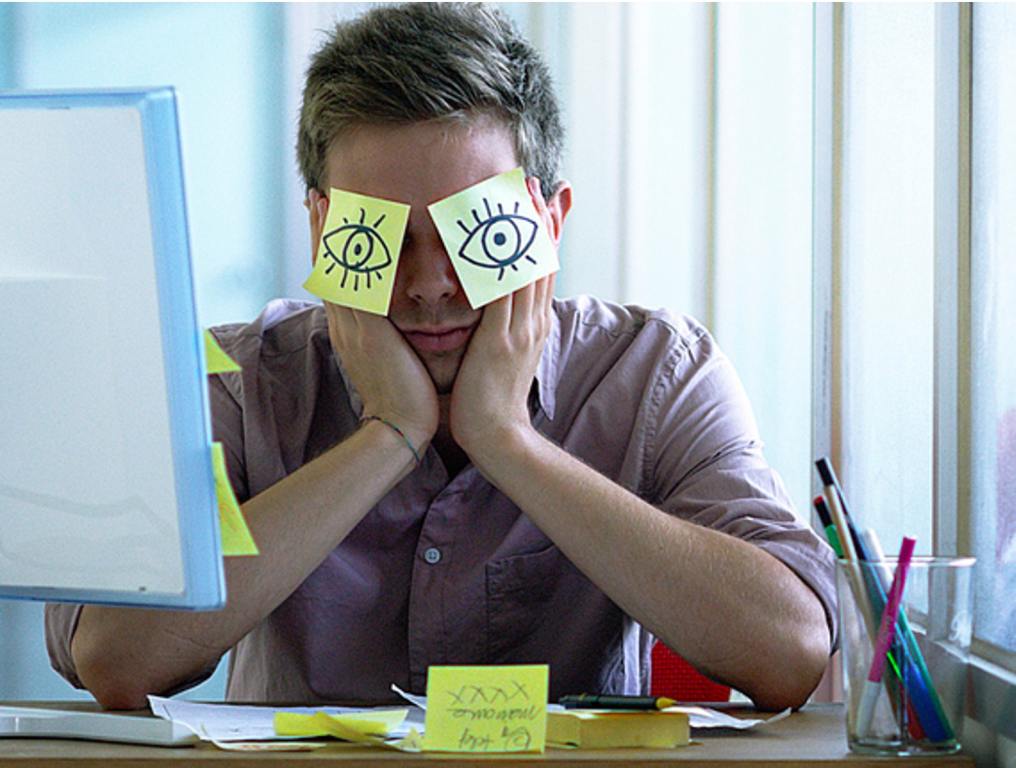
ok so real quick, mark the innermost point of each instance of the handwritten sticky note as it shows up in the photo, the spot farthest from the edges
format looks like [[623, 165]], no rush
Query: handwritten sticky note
[[359, 251], [495, 239], [486, 709], [216, 360], [236, 537]]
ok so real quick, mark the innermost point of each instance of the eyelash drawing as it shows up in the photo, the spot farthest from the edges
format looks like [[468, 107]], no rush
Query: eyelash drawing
[[501, 239], [356, 249]]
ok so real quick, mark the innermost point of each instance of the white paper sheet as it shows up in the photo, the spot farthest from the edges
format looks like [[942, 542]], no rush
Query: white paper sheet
[[702, 717], [234, 722]]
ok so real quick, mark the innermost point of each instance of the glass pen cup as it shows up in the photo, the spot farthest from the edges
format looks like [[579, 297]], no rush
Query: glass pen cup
[[916, 706]]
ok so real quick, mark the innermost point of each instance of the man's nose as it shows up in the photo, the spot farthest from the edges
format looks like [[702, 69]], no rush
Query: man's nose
[[430, 277]]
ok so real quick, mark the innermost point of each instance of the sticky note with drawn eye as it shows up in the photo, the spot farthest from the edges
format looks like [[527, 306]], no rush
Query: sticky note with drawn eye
[[494, 237], [359, 251]]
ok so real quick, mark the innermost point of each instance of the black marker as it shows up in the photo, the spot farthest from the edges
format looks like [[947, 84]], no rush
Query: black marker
[[606, 701]]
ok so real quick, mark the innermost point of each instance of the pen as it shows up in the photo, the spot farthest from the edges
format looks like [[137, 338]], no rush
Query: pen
[[869, 539], [827, 524], [886, 630], [871, 542], [931, 721], [885, 580], [839, 519], [607, 701]]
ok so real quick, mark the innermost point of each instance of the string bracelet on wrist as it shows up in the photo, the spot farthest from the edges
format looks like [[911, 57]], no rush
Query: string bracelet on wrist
[[398, 431]]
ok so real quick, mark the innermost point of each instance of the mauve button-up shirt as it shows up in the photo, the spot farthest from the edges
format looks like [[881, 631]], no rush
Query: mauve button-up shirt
[[447, 570]]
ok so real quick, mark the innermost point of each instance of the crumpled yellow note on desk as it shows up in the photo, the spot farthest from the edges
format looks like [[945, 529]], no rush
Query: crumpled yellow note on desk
[[371, 727]]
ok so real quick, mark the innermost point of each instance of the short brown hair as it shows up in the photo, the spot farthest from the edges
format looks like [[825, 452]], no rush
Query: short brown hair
[[430, 61]]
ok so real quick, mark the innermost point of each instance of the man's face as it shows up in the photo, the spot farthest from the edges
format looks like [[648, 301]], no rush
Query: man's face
[[419, 164]]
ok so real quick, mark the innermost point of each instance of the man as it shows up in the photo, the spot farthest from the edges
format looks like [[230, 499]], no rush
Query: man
[[533, 481]]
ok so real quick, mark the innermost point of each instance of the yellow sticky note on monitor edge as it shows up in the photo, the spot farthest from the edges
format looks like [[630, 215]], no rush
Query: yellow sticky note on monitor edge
[[236, 536], [359, 251], [217, 361], [486, 709], [495, 238]]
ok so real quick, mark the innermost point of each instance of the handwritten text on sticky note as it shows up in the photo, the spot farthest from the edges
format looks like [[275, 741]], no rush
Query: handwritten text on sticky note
[[487, 709], [495, 238], [359, 251]]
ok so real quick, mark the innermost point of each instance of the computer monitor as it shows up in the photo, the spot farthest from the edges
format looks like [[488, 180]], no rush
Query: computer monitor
[[107, 493]]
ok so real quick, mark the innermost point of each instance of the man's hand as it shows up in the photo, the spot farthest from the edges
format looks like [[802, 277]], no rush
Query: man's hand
[[490, 400], [388, 375]]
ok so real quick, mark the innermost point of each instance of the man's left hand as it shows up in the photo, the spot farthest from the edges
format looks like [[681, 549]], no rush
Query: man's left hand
[[490, 399]]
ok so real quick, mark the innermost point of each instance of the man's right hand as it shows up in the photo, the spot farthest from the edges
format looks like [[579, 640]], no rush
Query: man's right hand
[[389, 376]]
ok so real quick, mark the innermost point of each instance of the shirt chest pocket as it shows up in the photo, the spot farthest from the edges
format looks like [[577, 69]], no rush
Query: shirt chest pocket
[[526, 595]]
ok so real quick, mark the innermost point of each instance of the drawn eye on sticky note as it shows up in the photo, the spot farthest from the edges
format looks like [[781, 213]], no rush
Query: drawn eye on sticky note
[[494, 237], [359, 251]]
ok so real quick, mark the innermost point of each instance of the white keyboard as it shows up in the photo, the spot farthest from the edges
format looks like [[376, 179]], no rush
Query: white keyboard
[[29, 722]]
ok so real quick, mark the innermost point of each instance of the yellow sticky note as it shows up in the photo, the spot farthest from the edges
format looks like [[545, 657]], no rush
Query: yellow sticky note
[[359, 251], [486, 709], [236, 538], [216, 360], [495, 238], [370, 726]]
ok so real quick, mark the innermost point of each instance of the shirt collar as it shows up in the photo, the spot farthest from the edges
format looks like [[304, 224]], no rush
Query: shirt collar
[[548, 369], [545, 386]]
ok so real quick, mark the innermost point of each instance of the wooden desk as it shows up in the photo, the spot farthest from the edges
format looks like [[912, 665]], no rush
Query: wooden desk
[[811, 737]]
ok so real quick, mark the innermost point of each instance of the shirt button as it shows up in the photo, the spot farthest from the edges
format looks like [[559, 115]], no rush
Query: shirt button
[[432, 555]]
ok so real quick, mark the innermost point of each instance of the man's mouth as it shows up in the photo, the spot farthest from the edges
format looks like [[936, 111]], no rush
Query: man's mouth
[[438, 339]]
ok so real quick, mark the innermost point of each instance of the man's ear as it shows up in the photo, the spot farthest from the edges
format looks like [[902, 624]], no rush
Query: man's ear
[[558, 206], [317, 208]]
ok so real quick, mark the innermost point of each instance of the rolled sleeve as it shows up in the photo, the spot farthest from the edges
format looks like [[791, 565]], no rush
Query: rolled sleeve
[[61, 620], [227, 428], [707, 467]]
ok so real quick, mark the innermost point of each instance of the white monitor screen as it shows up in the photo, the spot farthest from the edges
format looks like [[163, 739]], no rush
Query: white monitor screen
[[106, 487]]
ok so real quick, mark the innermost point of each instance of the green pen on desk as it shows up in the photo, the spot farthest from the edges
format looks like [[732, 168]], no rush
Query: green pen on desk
[[607, 701]]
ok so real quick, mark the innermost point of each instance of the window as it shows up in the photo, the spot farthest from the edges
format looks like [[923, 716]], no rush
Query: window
[[888, 267], [993, 328], [915, 258]]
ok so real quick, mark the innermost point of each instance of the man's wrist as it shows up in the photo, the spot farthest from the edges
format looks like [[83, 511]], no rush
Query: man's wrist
[[405, 446], [502, 444]]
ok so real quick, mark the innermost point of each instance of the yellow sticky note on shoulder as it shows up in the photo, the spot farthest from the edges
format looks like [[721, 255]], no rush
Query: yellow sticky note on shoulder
[[359, 252], [236, 536], [487, 709], [216, 360], [495, 238]]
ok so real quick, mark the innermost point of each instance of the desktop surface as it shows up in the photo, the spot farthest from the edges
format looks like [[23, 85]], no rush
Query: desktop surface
[[815, 736]]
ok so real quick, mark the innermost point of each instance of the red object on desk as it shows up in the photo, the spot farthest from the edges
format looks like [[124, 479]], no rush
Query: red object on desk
[[677, 679]]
